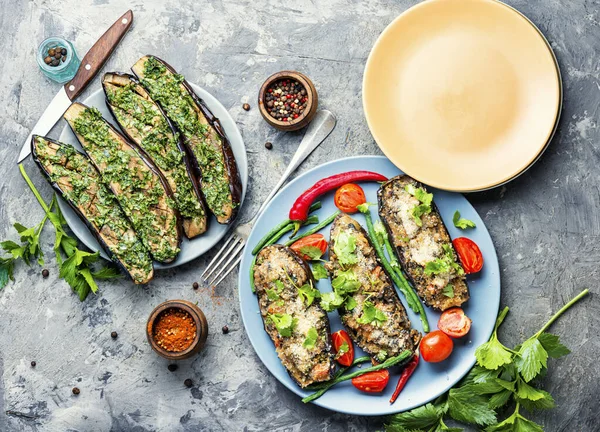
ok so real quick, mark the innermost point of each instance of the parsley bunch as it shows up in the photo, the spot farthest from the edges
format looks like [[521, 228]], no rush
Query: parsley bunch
[[502, 376]]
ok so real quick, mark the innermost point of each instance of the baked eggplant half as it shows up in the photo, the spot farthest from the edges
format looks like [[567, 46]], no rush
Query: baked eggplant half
[[292, 316], [367, 301], [140, 189], [145, 124], [422, 242], [202, 134], [74, 177]]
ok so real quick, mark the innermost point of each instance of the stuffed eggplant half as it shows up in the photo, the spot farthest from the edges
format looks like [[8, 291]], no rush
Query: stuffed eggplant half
[[74, 177], [292, 317], [202, 133], [364, 295], [139, 188], [145, 124], [422, 242]]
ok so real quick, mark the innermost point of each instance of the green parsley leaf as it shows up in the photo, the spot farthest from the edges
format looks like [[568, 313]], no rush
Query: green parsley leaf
[[344, 247], [552, 345], [445, 264], [6, 271], [424, 198], [284, 323], [492, 354], [515, 423], [448, 291], [311, 338], [280, 286], [319, 271], [531, 359], [331, 301], [312, 252], [462, 223], [371, 315], [499, 399], [546, 402], [418, 211], [350, 303], [272, 294], [465, 405], [525, 391], [106, 273], [308, 294], [422, 418], [345, 282]]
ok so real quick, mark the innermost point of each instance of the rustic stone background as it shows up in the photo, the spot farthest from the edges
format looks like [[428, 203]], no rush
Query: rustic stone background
[[546, 224]]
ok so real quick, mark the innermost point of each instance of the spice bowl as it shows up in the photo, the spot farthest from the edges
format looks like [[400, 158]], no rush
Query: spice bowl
[[177, 329], [272, 97]]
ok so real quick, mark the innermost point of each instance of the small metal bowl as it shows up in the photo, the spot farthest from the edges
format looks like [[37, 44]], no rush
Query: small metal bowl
[[201, 329], [311, 104]]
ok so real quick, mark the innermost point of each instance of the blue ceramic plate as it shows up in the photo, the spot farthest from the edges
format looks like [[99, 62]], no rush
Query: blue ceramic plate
[[430, 380]]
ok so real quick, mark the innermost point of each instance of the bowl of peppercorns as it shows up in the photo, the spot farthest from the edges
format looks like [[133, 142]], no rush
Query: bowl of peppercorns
[[57, 59], [288, 100]]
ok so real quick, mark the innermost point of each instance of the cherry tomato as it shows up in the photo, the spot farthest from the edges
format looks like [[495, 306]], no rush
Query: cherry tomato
[[372, 382], [436, 346], [349, 197], [340, 338], [454, 322], [469, 254], [313, 240]]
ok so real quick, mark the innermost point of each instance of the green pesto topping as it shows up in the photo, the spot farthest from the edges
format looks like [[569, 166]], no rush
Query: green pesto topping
[[68, 167], [152, 132], [141, 189], [165, 87]]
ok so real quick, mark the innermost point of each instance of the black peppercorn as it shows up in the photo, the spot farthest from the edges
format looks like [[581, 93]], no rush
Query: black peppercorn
[[33, 363], [45, 273], [54, 62], [268, 145], [225, 329], [172, 367], [188, 383], [114, 334], [76, 390], [64, 59], [246, 107], [63, 51], [195, 285]]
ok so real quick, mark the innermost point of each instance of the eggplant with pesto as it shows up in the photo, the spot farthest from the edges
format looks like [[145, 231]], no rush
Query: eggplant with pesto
[[422, 242], [74, 177], [140, 189], [145, 124], [364, 295], [202, 134], [292, 316]]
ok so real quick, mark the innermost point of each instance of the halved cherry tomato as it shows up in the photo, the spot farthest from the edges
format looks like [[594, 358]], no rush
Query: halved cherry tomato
[[313, 240], [349, 197], [469, 254], [339, 339], [372, 382], [436, 347], [454, 322]]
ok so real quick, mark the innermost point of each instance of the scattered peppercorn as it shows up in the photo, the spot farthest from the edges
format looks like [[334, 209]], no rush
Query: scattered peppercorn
[[225, 329], [114, 334], [55, 56], [269, 145], [286, 99], [188, 383], [195, 285], [45, 273], [172, 367], [33, 363], [246, 107], [76, 390]]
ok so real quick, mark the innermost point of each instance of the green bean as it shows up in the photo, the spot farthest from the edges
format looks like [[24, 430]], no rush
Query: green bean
[[392, 361], [313, 230], [279, 227]]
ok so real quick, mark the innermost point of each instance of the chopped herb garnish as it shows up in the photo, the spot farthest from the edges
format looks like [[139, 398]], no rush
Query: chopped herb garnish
[[319, 271], [445, 264], [448, 291], [344, 247], [424, 198], [284, 323], [311, 338], [308, 293], [461, 222], [312, 252], [371, 315]]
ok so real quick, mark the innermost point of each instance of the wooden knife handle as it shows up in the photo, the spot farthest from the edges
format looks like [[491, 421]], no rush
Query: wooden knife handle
[[98, 54]]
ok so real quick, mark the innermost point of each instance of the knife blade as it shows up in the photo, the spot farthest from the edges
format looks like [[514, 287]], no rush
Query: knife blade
[[90, 65]]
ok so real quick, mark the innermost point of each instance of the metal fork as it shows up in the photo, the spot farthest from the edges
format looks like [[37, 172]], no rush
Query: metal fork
[[231, 252]]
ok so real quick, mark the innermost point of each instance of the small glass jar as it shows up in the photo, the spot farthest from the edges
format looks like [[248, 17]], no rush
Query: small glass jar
[[66, 70]]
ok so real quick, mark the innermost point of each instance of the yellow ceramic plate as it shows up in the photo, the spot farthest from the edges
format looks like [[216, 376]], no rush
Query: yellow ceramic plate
[[462, 95]]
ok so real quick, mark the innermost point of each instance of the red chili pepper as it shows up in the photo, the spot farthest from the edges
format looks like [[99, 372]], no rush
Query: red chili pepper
[[299, 211], [406, 374]]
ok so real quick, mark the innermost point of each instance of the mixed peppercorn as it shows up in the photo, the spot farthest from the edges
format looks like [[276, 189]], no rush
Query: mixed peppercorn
[[56, 56], [286, 99]]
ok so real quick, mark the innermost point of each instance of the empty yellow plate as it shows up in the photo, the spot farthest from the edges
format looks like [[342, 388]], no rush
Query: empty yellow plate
[[462, 95]]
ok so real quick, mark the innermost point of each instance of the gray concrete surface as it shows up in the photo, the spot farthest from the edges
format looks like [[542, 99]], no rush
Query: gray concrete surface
[[546, 224]]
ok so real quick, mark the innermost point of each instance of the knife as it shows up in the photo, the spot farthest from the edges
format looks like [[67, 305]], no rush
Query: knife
[[90, 66]]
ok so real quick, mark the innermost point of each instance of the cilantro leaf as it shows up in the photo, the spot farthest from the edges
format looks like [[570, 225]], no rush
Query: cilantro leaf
[[444, 264], [284, 323], [350, 303], [344, 247], [492, 354], [272, 294], [531, 359], [345, 283], [311, 338], [331, 301], [418, 211], [465, 405], [448, 291], [371, 315], [462, 223], [343, 349], [280, 286], [424, 198], [552, 345], [308, 293], [319, 271], [424, 417], [312, 252]]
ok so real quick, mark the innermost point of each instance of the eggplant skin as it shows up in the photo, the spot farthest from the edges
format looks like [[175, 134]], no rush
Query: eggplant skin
[[142, 192], [73, 177], [416, 246], [145, 124], [380, 340], [279, 265], [202, 133]]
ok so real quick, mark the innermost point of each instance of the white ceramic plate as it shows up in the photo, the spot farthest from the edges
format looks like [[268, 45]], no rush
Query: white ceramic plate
[[190, 249]]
